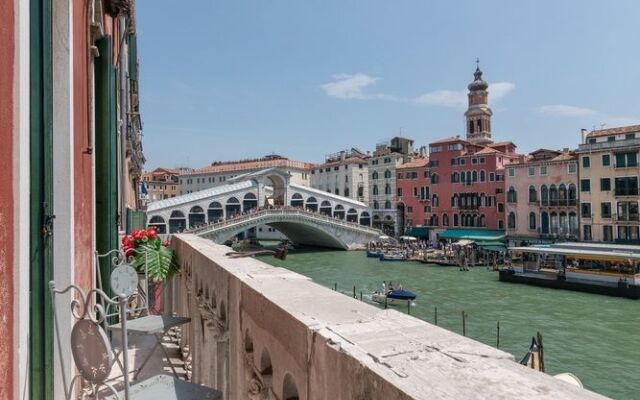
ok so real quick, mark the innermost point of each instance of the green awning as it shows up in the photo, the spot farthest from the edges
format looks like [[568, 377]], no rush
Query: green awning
[[418, 231], [474, 234], [490, 243], [493, 248]]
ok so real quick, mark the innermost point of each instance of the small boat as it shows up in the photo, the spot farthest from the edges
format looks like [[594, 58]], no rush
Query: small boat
[[394, 297], [393, 256], [374, 253]]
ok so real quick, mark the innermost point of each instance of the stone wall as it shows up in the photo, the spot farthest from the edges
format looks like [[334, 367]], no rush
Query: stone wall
[[261, 332]]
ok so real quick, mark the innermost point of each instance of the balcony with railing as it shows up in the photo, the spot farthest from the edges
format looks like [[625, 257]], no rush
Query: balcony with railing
[[262, 332]]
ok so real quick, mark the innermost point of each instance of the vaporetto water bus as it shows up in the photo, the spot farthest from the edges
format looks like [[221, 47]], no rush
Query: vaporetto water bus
[[612, 270]]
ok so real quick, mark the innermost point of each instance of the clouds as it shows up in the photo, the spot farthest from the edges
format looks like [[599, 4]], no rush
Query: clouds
[[345, 86], [563, 110], [352, 86]]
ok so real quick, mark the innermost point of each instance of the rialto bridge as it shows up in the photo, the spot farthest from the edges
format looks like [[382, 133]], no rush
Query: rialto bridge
[[305, 215]]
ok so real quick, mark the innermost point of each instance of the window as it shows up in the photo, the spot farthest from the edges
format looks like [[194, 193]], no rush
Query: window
[[605, 184], [410, 209], [455, 177], [630, 136], [482, 160], [511, 220], [387, 174], [445, 220], [628, 233], [474, 160], [500, 224], [533, 195], [387, 189], [606, 160], [586, 162], [387, 205], [399, 192], [572, 168], [492, 177], [511, 195], [607, 233], [532, 171], [376, 205], [415, 191], [543, 170], [628, 211], [585, 210], [375, 190], [627, 186], [585, 185], [611, 139], [624, 160], [512, 172], [346, 192], [532, 220], [482, 176], [374, 176], [586, 232], [605, 210], [434, 179], [500, 207]]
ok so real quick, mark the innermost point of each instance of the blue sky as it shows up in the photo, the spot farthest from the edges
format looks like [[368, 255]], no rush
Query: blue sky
[[239, 79]]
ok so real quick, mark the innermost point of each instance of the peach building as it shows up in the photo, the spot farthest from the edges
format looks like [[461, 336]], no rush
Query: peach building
[[542, 197]]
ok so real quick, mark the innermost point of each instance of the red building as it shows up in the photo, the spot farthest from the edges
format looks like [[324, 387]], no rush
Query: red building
[[467, 175], [412, 185]]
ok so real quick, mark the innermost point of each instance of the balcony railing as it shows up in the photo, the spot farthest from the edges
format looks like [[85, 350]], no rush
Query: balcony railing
[[259, 331], [626, 191]]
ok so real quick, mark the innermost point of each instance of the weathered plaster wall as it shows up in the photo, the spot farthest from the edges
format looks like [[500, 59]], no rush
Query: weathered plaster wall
[[261, 332], [82, 140], [8, 163]]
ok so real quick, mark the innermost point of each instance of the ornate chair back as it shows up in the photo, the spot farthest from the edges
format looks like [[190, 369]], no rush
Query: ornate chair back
[[120, 275], [90, 347]]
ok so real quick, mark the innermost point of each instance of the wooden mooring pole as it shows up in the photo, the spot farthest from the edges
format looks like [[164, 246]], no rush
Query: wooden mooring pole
[[435, 315], [335, 286], [361, 295], [498, 336], [354, 292], [409, 307], [464, 325]]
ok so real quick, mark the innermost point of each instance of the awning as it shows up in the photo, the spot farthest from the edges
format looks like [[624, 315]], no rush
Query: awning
[[408, 238], [464, 242], [418, 231], [494, 248], [474, 234]]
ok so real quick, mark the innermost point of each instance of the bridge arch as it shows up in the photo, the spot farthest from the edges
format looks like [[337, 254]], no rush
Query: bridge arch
[[215, 211], [177, 222], [311, 204], [297, 200], [352, 215], [196, 216], [232, 207], [249, 201], [159, 223], [365, 218], [325, 208], [338, 211]]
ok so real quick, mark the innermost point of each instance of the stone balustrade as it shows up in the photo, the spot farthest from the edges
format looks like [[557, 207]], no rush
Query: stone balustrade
[[261, 332]]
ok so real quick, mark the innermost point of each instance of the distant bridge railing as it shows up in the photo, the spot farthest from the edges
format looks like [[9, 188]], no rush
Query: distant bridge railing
[[242, 219]]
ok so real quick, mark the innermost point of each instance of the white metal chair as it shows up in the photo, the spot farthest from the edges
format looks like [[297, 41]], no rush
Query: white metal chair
[[94, 358], [136, 291]]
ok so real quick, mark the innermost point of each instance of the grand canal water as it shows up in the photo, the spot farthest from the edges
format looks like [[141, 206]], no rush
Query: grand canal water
[[595, 337]]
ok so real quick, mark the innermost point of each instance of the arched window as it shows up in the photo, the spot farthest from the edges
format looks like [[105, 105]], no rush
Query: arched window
[[544, 223], [387, 205], [483, 200], [434, 178], [468, 177], [325, 208], [387, 174], [232, 207], [474, 176], [562, 194], [434, 220], [375, 190], [365, 219], [455, 177], [511, 195], [177, 222], [445, 220], [374, 176], [376, 205], [387, 189], [471, 126], [456, 221], [312, 204], [573, 223], [296, 200], [196, 216], [572, 195], [511, 223], [483, 221], [434, 200], [563, 223], [338, 211], [533, 195], [532, 220], [554, 222], [483, 176], [553, 195], [159, 223], [544, 195], [346, 192]]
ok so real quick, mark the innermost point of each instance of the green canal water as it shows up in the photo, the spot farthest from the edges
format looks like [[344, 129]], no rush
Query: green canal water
[[595, 337]]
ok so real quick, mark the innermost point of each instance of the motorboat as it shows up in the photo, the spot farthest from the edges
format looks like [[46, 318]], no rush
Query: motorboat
[[374, 253], [393, 256], [394, 296]]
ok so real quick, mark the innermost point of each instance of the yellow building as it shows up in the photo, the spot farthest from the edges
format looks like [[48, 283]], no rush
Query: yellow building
[[608, 189], [162, 183]]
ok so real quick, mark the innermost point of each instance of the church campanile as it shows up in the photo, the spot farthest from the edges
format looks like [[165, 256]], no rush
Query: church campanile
[[478, 115]]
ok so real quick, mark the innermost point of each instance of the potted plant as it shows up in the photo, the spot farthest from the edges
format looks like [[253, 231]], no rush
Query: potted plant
[[144, 246]]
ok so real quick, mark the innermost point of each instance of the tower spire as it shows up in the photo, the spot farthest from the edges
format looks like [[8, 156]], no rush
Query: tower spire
[[478, 114]]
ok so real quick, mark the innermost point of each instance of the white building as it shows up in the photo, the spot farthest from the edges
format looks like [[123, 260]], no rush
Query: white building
[[345, 174]]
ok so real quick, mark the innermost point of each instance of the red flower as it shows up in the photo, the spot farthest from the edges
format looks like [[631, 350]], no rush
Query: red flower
[[166, 243], [151, 232]]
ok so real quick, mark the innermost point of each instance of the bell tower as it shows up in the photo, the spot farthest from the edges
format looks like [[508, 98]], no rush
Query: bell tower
[[478, 114]]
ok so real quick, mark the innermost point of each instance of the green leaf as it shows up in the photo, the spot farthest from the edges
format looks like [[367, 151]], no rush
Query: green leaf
[[161, 261]]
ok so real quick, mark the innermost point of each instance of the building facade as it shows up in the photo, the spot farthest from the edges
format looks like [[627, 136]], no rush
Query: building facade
[[345, 173], [71, 155], [161, 183], [608, 185], [218, 173], [382, 183], [413, 196], [467, 176], [542, 197]]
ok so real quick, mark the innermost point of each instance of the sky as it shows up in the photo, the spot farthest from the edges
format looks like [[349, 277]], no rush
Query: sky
[[304, 78]]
